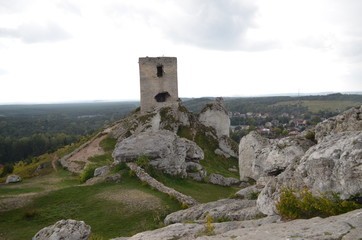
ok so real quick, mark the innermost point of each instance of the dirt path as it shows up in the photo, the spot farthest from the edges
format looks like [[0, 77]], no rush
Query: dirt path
[[79, 160], [54, 162]]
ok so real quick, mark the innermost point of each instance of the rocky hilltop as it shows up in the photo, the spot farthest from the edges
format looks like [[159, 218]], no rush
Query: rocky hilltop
[[326, 158], [168, 137]]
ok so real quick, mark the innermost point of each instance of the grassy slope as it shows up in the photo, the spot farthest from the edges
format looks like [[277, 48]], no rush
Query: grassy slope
[[108, 218], [212, 162]]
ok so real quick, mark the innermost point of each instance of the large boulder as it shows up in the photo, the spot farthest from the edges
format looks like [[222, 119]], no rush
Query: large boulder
[[101, 171], [65, 230], [225, 209], [165, 149], [218, 179], [13, 179], [215, 115], [259, 156], [334, 164], [350, 120]]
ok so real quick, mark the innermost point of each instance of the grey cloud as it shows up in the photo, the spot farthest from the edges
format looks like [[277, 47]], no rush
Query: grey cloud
[[214, 24], [211, 24], [31, 33]]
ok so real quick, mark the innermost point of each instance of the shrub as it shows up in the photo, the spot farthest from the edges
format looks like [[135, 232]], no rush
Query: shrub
[[304, 205], [87, 173], [253, 195], [119, 167], [209, 228], [311, 136], [7, 169], [184, 205], [143, 162]]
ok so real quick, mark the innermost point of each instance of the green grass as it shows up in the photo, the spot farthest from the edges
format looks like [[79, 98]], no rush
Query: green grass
[[108, 144], [101, 160], [107, 218], [201, 192], [212, 162], [14, 191]]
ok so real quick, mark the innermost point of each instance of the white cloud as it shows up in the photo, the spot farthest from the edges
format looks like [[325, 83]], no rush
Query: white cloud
[[32, 33], [87, 49]]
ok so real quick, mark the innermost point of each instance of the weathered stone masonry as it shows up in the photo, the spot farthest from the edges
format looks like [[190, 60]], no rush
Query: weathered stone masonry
[[158, 80]]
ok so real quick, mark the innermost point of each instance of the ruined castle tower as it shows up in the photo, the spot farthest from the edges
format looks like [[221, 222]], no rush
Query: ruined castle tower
[[158, 80]]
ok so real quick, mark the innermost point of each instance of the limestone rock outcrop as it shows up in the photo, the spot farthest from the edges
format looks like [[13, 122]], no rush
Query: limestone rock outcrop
[[215, 115], [350, 120], [165, 150], [334, 164], [347, 226], [230, 209], [101, 171], [13, 179], [65, 230], [218, 179], [259, 156]]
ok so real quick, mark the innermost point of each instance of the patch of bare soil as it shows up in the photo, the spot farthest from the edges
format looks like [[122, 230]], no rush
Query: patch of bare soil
[[17, 201], [135, 200], [74, 163], [12, 201]]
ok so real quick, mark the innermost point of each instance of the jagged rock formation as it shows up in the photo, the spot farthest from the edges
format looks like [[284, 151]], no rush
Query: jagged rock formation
[[65, 230], [215, 115], [225, 209], [218, 179], [101, 171], [165, 150], [156, 135], [13, 179], [350, 120], [260, 157], [333, 164]]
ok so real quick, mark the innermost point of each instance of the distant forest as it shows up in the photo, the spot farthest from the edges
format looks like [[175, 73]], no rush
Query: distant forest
[[31, 130]]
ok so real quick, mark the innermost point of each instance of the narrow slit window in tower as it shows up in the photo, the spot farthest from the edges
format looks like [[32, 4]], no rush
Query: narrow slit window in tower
[[159, 71]]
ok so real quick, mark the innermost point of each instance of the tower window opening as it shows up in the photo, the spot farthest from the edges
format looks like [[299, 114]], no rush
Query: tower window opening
[[159, 71], [162, 97]]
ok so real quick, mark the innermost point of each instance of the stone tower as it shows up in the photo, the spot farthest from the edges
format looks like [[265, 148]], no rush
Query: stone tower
[[158, 80]]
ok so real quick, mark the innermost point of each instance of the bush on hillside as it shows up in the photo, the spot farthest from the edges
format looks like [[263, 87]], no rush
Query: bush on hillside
[[304, 205], [87, 173]]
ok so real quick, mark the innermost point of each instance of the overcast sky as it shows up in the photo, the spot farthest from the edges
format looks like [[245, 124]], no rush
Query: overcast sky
[[75, 50]]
